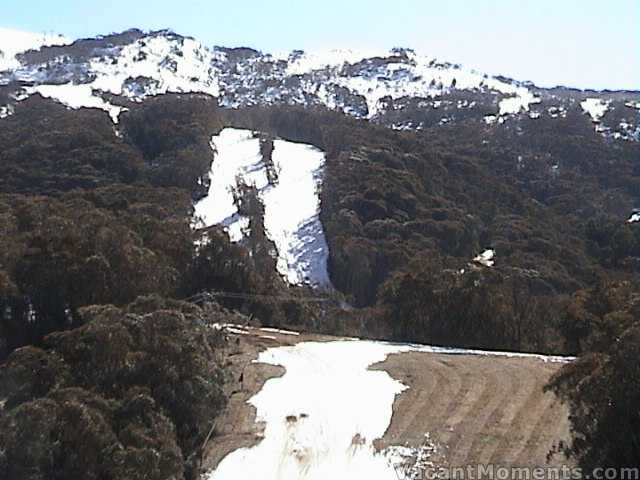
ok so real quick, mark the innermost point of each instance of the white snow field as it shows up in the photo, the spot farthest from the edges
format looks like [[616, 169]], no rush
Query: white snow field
[[174, 65], [323, 415], [237, 153], [292, 204]]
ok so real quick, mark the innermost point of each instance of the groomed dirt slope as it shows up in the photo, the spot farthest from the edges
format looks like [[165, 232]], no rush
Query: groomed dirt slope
[[477, 410]]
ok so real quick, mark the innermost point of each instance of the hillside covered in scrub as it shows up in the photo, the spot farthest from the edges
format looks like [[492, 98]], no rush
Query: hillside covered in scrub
[[518, 232]]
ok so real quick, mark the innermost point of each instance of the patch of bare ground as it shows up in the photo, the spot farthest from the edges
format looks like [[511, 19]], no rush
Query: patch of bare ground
[[476, 410], [236, 427]]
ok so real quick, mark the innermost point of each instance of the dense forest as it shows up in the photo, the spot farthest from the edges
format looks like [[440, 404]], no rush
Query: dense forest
[[104, 358], [407, 213], [100, 358]]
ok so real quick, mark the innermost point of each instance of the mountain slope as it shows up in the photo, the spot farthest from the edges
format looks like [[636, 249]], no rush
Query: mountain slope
[[481, 213], [15, 42], [401, 211], [399, 88]]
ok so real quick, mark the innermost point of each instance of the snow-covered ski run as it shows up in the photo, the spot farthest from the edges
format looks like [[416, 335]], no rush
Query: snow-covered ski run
[[323, 416]]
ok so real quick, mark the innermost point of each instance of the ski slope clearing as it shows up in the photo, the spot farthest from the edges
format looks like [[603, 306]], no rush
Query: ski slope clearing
[[311, 432], [332, 416], [291, 202]]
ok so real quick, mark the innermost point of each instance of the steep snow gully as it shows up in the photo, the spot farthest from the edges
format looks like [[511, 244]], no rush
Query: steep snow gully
[[291, 201], [324, 414]]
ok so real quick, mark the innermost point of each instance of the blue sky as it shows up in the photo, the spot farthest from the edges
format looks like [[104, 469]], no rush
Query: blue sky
[[580, 43]]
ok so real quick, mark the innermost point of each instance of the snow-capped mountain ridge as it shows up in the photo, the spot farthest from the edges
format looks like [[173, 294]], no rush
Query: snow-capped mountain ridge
[[15, 42], [324, 77], [400, 88]]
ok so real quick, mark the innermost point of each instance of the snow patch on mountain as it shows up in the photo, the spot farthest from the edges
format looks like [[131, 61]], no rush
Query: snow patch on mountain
[[291, 204], [5, 111], [292, 209], [152, 65], [557, 111], [401, 73], [412, 463], [75, 97], [595, 107], [14, 42], [161, 64], [486, 258], [518, 103], [300, 63]]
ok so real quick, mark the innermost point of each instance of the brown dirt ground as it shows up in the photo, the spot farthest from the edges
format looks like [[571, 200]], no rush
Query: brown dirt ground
[[475, 410]]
